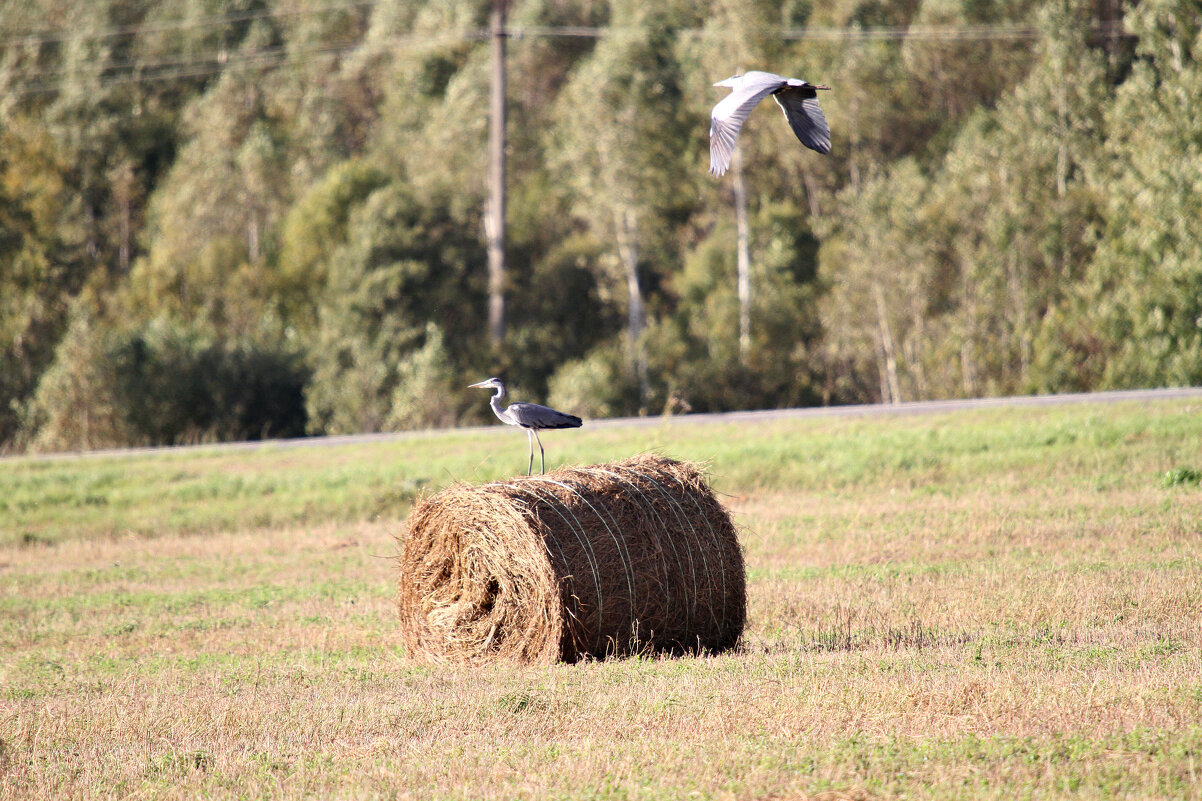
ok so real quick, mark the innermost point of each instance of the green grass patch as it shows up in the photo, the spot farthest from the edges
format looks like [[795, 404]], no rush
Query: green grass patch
[[207, 489]]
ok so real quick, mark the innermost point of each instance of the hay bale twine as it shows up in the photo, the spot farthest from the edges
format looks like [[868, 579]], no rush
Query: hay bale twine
[[583, 562]]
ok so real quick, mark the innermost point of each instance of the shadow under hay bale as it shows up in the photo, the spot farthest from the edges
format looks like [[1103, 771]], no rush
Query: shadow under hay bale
[[633, 556]]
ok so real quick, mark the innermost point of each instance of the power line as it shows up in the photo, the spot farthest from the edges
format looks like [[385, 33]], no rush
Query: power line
[[851, 32], [935, 32], [63, 35], [197, 67], [167, 68]]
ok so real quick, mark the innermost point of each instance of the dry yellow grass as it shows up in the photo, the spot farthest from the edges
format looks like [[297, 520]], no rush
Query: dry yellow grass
[[1039, 638]]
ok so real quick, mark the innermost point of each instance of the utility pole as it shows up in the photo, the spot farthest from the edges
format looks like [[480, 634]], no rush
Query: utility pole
[[494, 212]]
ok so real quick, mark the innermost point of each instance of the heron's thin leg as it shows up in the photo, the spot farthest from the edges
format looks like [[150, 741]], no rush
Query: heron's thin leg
[[541, 452], [530, 468]]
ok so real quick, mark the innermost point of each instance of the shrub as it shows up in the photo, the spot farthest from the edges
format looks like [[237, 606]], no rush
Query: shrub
[[425, 387], [164, 384]]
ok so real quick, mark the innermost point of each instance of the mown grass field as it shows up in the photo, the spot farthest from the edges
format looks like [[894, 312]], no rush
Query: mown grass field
[[972, 604]]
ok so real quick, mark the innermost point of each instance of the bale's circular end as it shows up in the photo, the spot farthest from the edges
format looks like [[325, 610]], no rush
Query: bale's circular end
[[583, 562], [475, 583]]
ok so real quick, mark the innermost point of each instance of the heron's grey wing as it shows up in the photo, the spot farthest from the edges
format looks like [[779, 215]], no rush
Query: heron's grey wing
[[531, 415], [731, 112], [800, 104]]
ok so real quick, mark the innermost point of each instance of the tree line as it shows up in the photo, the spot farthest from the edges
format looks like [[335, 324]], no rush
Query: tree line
[[228, 219]]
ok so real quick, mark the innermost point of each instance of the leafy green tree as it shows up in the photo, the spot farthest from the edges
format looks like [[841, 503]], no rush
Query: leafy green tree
[[313, 228], [405, 262], [697, 347], [207, 223], [259, 136], [887, 286], [74, 406], [948, 279], [1037, 214], [35, 280], [426, 387], [1141, 305], [627, 167], [433, 104], [75, 170], [593, 386], [161, 383]]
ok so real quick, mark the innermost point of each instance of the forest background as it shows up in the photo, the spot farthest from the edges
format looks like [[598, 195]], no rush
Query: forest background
[[229, 219]]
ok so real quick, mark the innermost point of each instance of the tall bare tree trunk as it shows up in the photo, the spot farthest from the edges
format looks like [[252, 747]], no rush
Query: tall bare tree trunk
[[122, 181], [971, 330], [252, 236], [890, 352], [626, 229], [811, 192], [918, 337], [494, 216], [743, 257]]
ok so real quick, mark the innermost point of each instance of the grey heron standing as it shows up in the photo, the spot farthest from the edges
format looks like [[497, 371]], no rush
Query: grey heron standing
[[529, 416], [797, 98]]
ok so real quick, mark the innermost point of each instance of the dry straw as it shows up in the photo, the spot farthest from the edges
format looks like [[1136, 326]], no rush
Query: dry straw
[[633, 556]]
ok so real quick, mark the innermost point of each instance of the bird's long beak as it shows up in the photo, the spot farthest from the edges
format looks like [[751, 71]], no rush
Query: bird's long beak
[[481, 385]]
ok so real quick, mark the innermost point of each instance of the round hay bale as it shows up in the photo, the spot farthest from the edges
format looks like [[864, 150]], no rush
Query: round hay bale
[[633, 556]]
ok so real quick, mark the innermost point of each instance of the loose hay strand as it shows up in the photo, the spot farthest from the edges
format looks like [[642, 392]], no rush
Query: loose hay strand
[[581, 563]]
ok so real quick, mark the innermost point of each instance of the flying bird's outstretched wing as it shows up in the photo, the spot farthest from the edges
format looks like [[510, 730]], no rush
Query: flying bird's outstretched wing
[[731, 112], [800, 104], [797, 98]]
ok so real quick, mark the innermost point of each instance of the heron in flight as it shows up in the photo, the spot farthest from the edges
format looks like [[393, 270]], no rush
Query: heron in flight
[[797, 98], [529, 416]]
